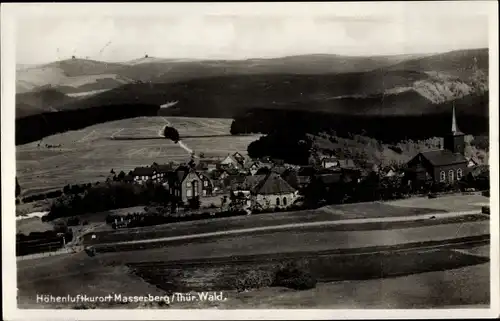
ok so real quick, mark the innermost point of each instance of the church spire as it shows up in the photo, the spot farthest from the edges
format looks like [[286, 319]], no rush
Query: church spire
[[454, 128]]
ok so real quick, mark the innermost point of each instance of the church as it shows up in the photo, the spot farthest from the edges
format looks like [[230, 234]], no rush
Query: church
[[446, 165]]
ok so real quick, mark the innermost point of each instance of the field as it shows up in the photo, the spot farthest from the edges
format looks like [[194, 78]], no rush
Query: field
[[89, 154], [213, 263], [327, 213]]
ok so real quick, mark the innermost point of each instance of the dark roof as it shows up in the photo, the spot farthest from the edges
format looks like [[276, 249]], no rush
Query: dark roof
[[443, 157], [236, 180], [346, 163], [163, 168], [329, 178], [306, 171], [273, 184], [250, 182], [279, 169], [143, 171]]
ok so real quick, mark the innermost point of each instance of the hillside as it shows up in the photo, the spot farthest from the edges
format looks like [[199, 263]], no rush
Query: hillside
[[460, 63], [45, 100], [403, 86], [158, 70]]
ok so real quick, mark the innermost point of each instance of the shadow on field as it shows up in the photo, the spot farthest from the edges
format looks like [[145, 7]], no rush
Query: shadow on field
[[224, 275]]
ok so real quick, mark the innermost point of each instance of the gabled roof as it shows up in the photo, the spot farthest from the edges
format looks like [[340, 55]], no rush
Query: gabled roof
[[143, 171], [163, 168], [250, 182], [273, 184], [443, 157]]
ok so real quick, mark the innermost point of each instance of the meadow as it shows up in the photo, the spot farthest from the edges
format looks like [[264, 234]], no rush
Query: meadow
[[89, 154]]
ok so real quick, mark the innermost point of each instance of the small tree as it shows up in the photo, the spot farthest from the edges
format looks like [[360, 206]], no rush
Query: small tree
[[121, 175], [194, 203]]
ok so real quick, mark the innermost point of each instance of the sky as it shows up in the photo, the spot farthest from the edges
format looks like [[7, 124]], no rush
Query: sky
[[352, 29]]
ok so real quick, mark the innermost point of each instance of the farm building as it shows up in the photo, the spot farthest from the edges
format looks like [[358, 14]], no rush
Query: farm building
[[440, 166]]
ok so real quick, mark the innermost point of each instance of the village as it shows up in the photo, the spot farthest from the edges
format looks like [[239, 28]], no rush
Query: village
[[239, 183]]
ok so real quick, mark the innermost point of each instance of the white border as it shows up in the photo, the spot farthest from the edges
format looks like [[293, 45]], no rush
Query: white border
[[8, 15]]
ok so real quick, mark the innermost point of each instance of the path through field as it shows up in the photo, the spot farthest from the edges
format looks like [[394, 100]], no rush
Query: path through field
[[89, 154], [180, 142]]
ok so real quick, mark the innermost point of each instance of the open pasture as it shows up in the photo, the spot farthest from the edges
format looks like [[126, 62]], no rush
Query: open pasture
[[89, 154]]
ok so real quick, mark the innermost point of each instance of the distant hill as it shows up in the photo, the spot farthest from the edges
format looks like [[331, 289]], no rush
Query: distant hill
[[151, 69], [45, 100], [375, 86], [459, 63]]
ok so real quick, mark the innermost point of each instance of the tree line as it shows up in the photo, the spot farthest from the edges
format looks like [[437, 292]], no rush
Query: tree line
[[35, 127]]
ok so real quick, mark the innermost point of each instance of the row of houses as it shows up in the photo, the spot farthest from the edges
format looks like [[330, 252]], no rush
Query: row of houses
[[257, 183], [269, 183]]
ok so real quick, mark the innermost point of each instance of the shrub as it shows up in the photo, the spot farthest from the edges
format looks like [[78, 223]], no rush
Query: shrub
[[254, 279], [73, 221], [294, 277]]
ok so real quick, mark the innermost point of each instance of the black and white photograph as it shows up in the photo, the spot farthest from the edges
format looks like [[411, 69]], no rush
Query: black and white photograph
[[209, 158]]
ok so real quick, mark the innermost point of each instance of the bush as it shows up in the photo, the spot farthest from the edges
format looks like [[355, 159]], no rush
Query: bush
[[73, 221], [294, 277], [254, 279]]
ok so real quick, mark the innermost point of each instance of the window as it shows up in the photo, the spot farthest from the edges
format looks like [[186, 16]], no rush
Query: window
[[284, 201], [459, 173], [442, 176], [189, 192], [450, 175], [277, 201], [205, 183]]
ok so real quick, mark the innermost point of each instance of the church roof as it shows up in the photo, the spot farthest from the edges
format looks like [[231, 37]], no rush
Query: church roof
[[273, 184], [443, 157]]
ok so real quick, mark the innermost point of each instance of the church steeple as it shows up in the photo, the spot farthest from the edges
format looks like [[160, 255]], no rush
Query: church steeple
[[454, 127], [454, 141]]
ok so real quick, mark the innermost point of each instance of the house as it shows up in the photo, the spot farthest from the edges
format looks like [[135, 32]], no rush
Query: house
[[273, 191], [143, 174], [207, 186], [304, 175], [252, 167], [472, 162], [347, 163], [230, 162], [185, 183], [328, 162], [207, 165], [446, 165], [161, 171], [279, 169], [234, 180], [239, 158], [242, 191]]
